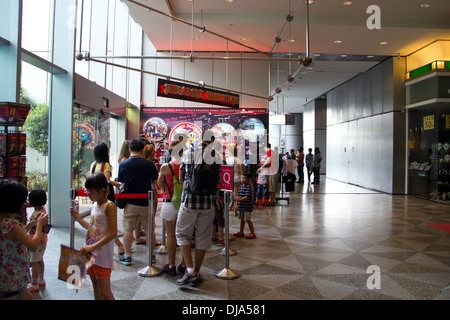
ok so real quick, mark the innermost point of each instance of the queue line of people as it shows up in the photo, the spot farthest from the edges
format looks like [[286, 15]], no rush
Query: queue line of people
[[197, 212]]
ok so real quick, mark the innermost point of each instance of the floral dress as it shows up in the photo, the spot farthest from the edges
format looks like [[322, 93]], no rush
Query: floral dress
[[14, 257]]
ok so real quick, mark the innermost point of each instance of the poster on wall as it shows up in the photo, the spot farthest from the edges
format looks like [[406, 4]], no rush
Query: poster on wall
[[224, 123]]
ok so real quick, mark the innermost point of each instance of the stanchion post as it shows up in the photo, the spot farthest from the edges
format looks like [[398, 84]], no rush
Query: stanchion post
[[150, 270], [227, 273], [163, 248], [73, 196]]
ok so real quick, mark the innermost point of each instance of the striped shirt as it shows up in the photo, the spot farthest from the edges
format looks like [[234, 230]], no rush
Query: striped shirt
[[245, 191]]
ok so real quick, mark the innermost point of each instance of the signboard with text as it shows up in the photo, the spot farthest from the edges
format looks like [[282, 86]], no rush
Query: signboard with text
[[428, 122], [226, 178], [182, 91]]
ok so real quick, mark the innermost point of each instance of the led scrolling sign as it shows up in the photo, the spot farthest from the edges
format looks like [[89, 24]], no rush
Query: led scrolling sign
[[181, 91]]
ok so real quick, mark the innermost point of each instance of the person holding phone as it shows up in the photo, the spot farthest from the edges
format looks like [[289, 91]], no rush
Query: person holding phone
[[14, 241], [37, 199]]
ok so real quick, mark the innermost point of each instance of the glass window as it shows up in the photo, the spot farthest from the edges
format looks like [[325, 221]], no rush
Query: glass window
[[37, 27], [90, 127], [35, 91]]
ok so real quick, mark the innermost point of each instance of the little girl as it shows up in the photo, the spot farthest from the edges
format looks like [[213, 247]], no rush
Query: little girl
[[261, 188], [102, 230], [14, 241], [37, 199]]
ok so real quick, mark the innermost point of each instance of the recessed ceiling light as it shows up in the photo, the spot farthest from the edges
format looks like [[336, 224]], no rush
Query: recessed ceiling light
[[425, 5], [337, 41], [383, 43], [196, 38], [291, 40], [310, 1], [369, 57], [316, 54], [244, 38], [229, 0], [343, 56], [347, 3]]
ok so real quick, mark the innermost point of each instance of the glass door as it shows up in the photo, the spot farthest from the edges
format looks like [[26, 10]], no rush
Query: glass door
[[90, 127]]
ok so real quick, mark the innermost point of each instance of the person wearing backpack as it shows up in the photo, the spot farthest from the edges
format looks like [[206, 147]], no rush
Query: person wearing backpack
[[169, 181], [200, 174]]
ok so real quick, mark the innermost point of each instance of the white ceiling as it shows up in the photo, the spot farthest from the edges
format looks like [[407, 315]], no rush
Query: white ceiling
[[405, 26]]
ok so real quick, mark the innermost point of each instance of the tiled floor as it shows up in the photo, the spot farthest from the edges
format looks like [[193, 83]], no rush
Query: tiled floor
[[319, 246]]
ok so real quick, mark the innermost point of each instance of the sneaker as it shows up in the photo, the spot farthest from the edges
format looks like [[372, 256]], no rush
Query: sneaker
[[187, 278], [250, 236], [220, 242], [33, 287], [171, 271], [238, 234], [181, 268], [41, 283], [198, 281], [125, 261]]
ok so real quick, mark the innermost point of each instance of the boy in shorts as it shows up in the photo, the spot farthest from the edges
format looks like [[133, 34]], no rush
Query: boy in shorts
[[245, 206]]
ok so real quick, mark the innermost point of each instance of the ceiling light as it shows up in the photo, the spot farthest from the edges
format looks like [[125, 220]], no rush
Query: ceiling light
[[229, 0], [316, 54], [310, 1], [425, 5], [369, 57], [337, 41], [291, 40], [343, 56], [347, 3], [244, 38], [383, 43]]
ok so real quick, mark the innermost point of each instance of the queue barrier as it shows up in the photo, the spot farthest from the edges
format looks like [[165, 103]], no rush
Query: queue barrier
[[148, 271]]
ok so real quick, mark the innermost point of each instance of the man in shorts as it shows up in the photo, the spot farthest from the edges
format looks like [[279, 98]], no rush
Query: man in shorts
[[197, 214], [136, 174]]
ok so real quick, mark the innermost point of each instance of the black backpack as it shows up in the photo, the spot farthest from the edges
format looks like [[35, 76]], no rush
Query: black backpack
[[202, 178]]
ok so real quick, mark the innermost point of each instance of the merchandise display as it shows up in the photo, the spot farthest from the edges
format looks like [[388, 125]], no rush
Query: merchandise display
[[12, 141]]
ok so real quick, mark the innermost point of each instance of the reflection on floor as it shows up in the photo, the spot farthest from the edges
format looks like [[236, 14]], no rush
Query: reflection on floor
[[319, 246]]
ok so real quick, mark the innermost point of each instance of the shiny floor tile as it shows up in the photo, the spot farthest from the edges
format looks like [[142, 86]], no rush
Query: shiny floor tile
[[320, 246]]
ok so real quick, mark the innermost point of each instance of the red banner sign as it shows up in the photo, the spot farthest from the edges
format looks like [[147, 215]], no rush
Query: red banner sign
[[181, 91]]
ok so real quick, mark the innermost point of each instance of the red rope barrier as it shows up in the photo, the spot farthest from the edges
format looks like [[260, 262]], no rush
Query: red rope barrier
[[82, 193]]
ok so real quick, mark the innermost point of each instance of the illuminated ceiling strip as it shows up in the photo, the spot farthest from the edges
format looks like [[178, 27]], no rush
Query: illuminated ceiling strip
[[191, 24], [87, 58]]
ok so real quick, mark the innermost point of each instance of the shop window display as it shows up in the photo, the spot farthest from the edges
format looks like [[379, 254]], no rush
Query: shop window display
[[429, 152]]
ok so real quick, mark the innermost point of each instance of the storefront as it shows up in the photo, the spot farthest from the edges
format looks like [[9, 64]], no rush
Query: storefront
[[428, 109]]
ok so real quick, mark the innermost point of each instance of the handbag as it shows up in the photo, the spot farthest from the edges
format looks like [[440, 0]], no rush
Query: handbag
[[122, 202], [111, 194], [177, 190]]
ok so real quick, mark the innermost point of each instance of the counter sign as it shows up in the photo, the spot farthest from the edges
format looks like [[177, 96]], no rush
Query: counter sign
[[226, 178]]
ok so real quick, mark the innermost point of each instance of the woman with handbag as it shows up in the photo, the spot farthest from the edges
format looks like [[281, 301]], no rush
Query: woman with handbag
[[168, 177], [101, 165]]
